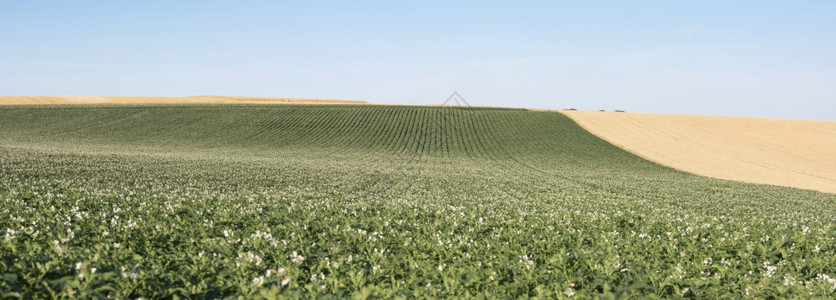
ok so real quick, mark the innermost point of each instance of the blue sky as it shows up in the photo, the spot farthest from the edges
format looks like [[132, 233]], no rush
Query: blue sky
[[749, 58]]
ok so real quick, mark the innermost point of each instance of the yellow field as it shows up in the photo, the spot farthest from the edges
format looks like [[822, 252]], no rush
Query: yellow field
[[794, 153], [23, 100]]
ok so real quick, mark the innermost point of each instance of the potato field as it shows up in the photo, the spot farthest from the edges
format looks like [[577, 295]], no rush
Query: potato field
[[328, 201]]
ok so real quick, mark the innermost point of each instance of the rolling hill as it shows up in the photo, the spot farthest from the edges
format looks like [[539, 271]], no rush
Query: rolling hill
[[796, 153]]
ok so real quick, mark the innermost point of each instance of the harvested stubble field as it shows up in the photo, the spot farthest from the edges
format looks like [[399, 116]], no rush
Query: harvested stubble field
[[795, 153], [385, 201]]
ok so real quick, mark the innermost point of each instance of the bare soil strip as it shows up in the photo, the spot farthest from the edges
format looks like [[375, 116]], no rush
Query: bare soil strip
[[794, 153], [26, 100]]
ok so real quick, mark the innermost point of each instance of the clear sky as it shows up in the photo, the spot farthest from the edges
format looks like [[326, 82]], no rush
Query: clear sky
[[749, 58]]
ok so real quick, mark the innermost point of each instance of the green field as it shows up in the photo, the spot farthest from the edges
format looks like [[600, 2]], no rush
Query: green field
[[207, 201]]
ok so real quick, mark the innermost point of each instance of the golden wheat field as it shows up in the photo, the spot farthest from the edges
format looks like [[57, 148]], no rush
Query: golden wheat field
[[24, 100], [795, 153]]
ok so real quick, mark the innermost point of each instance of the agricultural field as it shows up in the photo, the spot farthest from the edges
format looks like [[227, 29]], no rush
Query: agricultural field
[[795, 153], [336, 201]]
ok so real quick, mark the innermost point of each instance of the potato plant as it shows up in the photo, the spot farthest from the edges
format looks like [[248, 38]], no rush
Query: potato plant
[[224, 201]]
